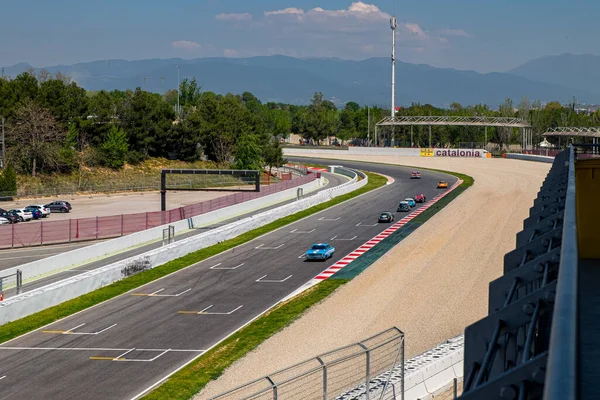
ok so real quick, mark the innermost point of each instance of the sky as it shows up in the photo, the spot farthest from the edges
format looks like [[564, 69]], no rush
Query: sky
[[480, 35]]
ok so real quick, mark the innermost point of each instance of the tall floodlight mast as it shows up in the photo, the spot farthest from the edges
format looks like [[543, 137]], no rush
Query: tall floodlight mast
[[393, 26]]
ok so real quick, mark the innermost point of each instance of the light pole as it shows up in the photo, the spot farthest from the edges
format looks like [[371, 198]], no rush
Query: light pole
[[178, 91], [393, 26]]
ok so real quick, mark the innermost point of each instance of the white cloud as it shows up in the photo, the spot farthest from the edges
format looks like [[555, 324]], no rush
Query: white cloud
[[230, 53], [287, 11], [359, 31], [186, 45], [455, 32], [233, 17]]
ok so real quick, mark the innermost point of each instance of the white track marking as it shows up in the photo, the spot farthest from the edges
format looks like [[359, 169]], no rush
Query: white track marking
[[329, 219], [96, 349], [272, 281], [261, 247], [361, 224], [297, 231], [230, 268], [335, 237], [71, 331]]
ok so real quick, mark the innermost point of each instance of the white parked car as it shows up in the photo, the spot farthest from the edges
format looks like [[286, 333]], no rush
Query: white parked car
[[45, 210], [4, 221], [23, 215]]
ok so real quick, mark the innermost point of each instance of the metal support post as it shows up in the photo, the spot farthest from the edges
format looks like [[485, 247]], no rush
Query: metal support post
[[2, 138], [324, 378], [163, 193], [367, 370], [376, 137], [368, 126], [121, 224], [402, 368], [430, 136], [257, 182], [96, 228], [19, 280], [412, 143], [485, 141]]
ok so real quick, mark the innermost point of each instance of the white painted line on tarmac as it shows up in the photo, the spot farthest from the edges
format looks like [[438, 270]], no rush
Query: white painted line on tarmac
[[297, 231], [127, 352], [204, 312], [272, 281], [335, 237], [2, 377], [261, 247], [96, 349], [71, 331], [329, 219], [302, 256], [361, 224], [229, 268]]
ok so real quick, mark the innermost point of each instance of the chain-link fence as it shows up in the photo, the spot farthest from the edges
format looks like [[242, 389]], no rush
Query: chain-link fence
[[329, 375]]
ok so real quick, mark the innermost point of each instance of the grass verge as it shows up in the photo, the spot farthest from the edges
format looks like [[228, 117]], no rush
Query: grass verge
[[191, 379], [45, 317]]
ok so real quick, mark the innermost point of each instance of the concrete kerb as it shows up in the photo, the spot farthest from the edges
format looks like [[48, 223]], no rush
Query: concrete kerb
[[62, 262], [56, 293]]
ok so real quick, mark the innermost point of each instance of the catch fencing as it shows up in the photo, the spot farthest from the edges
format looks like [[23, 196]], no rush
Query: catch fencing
[[330, 375], [83, 229]]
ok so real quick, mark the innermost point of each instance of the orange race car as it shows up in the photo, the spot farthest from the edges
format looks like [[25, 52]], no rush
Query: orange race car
[[442, 184]]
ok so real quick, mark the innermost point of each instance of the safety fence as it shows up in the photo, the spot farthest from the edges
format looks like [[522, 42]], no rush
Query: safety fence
[[11, 281], [82, 229], [329, 375]]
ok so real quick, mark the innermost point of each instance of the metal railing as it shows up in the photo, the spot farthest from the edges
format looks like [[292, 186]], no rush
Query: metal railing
[[561, 375], [95, 228], [526, 347], [331, 374], [9, 282]]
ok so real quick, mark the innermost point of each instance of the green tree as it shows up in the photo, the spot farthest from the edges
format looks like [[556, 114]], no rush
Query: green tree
[[248, 152], [115, 148], [35, 137], [273, 155], [9, 181]]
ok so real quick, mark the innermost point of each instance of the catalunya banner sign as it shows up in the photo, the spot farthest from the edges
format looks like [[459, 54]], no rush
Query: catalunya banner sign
[[453, 153]]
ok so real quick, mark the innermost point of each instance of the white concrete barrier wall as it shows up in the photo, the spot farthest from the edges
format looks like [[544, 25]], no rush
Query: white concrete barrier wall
[[59, 292], [530, 157], [96, 251], [389, 151]]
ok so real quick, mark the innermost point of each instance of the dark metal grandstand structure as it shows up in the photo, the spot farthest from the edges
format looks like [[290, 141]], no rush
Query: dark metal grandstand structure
[[540, 339]]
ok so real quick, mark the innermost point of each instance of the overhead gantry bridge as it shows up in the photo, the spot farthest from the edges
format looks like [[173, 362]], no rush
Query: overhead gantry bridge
[[445, 120]]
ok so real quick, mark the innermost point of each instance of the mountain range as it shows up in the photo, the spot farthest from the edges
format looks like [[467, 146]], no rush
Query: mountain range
[[293, 80]]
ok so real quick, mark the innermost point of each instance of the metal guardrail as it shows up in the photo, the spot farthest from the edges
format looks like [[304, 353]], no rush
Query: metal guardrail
[[561, 375], [525, 347], [329, 375]]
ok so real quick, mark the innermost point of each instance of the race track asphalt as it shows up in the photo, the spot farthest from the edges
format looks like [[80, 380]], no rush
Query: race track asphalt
[[121, 348], [18, 257]]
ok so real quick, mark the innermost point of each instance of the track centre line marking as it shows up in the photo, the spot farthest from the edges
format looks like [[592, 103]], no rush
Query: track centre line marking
[[271, 280]]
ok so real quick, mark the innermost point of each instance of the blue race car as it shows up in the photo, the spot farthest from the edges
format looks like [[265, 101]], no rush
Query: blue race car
[[320, 251], [411, 202]]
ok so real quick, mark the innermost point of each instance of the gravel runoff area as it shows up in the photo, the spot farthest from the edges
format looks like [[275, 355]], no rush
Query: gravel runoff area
[[116, 204], [431, 285]]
